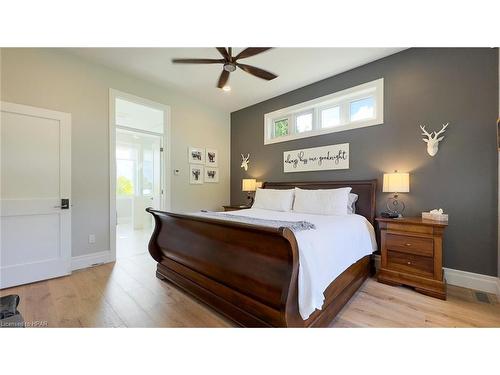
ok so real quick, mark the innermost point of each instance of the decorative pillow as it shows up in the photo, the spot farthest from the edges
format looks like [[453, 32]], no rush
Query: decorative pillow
[[351, 203], [322, 201], [274, 199]]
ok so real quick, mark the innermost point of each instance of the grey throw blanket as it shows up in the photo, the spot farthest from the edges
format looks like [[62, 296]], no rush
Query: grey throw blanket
[[294, 226]]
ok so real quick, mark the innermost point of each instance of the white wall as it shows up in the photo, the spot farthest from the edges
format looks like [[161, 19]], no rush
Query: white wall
[[57, 80]]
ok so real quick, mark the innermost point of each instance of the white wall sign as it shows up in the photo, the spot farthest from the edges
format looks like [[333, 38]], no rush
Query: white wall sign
[[317, 158]]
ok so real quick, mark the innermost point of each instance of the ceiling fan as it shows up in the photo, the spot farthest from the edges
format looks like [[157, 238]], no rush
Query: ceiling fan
[[230, 63]]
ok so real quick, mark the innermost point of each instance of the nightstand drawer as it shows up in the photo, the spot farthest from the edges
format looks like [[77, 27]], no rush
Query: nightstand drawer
[[409, 263], [409, 244]]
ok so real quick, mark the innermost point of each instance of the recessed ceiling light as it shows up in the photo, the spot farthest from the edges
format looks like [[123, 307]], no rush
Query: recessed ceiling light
[[226, 88]]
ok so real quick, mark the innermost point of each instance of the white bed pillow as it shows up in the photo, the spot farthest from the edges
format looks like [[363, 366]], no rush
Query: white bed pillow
[[351, 203], [274, 199], [322, 201]]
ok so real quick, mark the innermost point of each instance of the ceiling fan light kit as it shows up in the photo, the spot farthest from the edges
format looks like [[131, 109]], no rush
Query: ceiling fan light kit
[[229, 67], [230, 63]]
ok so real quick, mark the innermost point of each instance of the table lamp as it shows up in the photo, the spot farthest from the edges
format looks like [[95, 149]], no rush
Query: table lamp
[[249, 185], [396, 183]]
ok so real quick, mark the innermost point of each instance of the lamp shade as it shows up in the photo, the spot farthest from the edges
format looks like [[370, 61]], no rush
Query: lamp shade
[[396, 183], [248, 184]]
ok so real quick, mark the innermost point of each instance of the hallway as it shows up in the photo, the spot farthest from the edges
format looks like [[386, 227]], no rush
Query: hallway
[[130, 242]]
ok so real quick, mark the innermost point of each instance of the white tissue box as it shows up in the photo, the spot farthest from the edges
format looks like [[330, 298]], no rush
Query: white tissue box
[[437, 217]]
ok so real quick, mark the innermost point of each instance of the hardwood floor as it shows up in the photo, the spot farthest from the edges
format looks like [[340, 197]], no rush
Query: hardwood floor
[[127, 294]]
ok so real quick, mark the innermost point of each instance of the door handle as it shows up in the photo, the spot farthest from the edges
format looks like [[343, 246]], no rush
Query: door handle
[[64, 204]]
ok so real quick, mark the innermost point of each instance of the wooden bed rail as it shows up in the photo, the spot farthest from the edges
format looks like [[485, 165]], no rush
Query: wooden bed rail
[[247, 271]]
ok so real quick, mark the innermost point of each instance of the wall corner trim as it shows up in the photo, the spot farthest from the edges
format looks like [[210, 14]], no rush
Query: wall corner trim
[[88, 260], [464, 279]]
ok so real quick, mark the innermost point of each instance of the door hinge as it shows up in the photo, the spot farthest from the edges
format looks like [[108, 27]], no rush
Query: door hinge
[[161, 149]]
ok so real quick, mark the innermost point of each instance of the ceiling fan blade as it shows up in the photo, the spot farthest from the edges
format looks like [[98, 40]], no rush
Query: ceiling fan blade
[[197, 61], [252, 51], [224, 53], [258, 72], [224, 76]]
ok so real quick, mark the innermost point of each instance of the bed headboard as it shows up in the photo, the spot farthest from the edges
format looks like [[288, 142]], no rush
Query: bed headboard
[[365, 189]]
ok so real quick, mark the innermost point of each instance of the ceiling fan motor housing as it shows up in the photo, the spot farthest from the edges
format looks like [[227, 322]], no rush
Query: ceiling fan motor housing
[[229, 67]]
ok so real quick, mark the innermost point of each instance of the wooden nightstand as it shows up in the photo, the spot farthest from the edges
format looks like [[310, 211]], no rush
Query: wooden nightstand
[[235, 208], [412, 254]]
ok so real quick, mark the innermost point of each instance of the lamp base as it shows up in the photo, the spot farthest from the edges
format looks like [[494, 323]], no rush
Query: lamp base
[[250, 199], [395, 206], [389, 215]]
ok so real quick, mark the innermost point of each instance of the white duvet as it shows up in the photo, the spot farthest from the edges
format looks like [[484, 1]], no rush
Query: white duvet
[[325, 252]]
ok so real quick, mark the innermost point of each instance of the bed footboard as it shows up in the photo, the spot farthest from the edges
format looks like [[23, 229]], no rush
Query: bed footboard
[[246, 272]]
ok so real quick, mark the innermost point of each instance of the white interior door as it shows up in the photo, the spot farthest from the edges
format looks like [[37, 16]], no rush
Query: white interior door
[[35, 179]]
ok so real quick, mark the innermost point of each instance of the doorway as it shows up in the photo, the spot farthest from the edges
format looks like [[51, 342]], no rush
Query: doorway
[[140, 170]]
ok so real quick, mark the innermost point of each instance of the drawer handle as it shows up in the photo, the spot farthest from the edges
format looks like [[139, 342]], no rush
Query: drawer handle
[[407, 244], [409, 263]]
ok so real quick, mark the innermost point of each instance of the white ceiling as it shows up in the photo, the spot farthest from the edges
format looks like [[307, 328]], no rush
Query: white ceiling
[[296, 67]]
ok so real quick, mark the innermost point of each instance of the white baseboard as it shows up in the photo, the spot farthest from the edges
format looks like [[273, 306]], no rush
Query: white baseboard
[[89, 260], [464, 279], [471, 280]]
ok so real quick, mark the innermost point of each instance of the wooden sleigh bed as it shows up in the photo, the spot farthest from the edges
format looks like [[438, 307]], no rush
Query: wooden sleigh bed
[[249, 272]]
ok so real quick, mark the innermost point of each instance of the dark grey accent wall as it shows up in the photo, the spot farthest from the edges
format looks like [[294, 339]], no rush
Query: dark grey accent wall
[[422, 85]]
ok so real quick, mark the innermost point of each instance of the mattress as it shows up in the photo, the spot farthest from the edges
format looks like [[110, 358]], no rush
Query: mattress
[[336, 242]]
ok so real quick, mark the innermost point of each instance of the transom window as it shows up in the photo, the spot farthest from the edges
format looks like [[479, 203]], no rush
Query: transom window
[[281, 127], [304, 122], [355, 107]]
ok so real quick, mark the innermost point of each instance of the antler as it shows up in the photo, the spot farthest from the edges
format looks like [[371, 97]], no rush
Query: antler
[[442, 130], [425, 132]]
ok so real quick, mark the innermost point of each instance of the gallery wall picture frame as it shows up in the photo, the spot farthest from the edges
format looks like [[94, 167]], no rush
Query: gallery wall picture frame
[[196, 155], [211, 175], [212, 157], [196, 174]]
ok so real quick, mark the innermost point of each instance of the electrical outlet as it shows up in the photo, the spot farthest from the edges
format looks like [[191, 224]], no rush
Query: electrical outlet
[[91, 238]]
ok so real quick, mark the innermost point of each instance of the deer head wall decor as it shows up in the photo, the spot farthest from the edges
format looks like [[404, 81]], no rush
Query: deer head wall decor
[[432, 139], [245, 161]]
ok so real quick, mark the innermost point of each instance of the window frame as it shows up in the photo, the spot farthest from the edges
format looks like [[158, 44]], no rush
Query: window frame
[[277, 119], [302, 113], [357, 100], [326, 108], [342, 99]]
